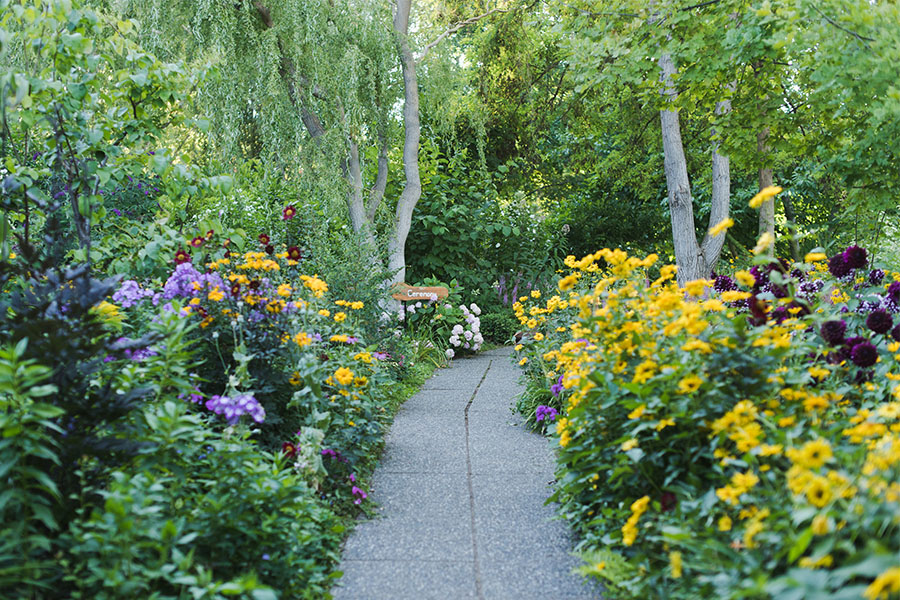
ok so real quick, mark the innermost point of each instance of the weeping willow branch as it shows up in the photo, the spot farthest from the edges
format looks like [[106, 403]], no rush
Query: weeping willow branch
[[456, 27]]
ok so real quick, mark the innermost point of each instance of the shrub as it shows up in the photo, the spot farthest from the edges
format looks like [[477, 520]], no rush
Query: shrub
[[718, 444]]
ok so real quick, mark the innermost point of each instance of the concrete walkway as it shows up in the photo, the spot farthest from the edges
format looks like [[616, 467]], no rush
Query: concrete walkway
[[461, 490]]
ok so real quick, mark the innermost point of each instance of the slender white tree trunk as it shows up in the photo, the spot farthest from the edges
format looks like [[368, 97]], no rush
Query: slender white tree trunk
[[695, 261], [687, 251], [412, 189], [767, 210]]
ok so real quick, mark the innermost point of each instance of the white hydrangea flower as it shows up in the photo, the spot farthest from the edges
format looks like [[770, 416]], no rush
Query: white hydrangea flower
[[450, 353]]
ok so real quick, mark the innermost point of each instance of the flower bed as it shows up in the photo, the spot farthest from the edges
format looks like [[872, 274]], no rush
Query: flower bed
[[735, 438]]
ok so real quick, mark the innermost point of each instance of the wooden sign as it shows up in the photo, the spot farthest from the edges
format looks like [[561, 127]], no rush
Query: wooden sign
[[409, 293]]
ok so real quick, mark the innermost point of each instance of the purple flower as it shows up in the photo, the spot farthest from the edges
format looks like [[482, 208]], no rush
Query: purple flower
[[879, 321], [893, 292], [876, 276], [117, 211], [895, 333], [234, 408], [833, 332], [724, 283], [855, 257], [130, 293], [557, 387], [545, 412], [864, 354], [838, 266]]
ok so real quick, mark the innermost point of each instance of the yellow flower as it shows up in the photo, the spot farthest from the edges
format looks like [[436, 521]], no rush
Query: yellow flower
[[689, 384], [725, 523], [324, 312], [295, 378], [721, 227], [107, 311], [734, 296], [340, 338], [814, 257], [365, 357], [629, 444], [519, 347], [535, 293], [316, 285], [356, 305], [523, 361], [675, 564], [764, 194], [811, 455], [766, 240], [884, 586], [600, 565], [531, 324], [745, 278], [818, 491], [697, 287], [340, 317], [568, 282], [538, 336], [344, 376], [284, 290], [820, 525], [302, 339], [664, 423], [637, 412], [215, 294]]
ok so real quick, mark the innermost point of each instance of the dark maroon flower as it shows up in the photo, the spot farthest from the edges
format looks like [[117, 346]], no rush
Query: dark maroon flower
[[264, 239], [667, 501], [270, 249], [895, 333], [780, 314], [254, 285], [294, 253], [288, 213], [724, 283], [864, 354], [210, 234], [833, 332], [893, 292], [838, 266], [879, 321], [182, 257], [236, 290], [289, 449], [757, 310], [876, 276], [855, 257], [196, 242]]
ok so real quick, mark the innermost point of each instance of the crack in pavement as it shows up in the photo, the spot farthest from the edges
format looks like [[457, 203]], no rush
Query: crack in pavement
[[478, 591]]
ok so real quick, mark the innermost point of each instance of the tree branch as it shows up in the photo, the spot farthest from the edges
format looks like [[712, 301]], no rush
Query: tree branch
[[861, 38], [459, 26]]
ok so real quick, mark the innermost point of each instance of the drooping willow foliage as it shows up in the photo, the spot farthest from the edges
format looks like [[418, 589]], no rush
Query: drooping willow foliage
[[270, 60]]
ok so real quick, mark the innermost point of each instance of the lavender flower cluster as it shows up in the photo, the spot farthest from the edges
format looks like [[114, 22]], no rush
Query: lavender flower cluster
[[181, 283], [234, 408], [130, 293], [545, 412]]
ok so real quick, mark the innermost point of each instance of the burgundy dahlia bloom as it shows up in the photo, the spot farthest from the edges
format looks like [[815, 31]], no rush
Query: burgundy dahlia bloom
[[893, 292], [864, 354], [264, 239], [724, 283], [833, 332], [294, 253], [288, 212], [856, 257], [895, 333], [876, 276], [838, 266], [182, 257], [879, 321]]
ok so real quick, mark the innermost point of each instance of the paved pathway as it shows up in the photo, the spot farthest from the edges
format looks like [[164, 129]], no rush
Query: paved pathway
[[461, 489]]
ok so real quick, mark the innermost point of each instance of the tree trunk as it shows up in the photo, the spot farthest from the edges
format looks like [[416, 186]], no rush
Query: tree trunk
[[792, 225], [687, 251], [767, 210], [412, 190], [695, 261], [721, 196]]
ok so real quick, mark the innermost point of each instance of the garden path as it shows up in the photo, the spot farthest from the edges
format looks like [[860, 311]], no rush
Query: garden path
[[461, 489]]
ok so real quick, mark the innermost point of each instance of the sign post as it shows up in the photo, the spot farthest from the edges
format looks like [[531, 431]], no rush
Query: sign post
[[409, 293]]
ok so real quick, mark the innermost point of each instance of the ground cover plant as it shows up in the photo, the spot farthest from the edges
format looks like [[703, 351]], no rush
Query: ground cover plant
[[734, 438]]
